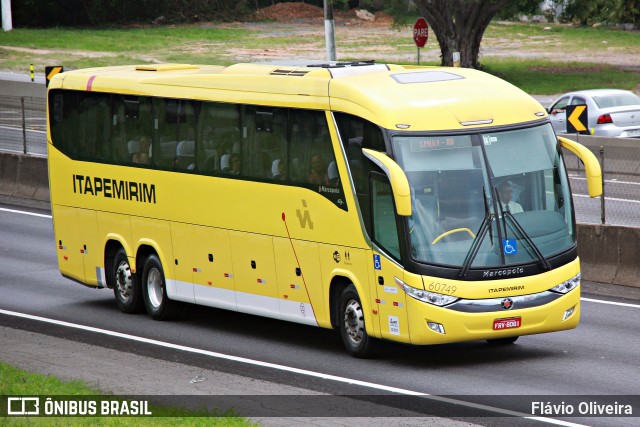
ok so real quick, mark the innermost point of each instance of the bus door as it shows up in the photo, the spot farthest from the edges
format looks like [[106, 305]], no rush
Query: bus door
[[390, 297]]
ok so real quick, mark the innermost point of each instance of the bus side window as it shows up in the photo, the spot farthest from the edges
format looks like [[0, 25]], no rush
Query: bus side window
[[264, 141], [355, 134], [65, 120], [218, 132], [385, 228], [131, 127], [312, 162]]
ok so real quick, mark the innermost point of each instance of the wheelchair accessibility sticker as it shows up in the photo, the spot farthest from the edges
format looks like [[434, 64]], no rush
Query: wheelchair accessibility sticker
[[376, 262], [509, 246]]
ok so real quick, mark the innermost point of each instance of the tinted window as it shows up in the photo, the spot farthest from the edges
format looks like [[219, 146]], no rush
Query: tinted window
[[271, 144]]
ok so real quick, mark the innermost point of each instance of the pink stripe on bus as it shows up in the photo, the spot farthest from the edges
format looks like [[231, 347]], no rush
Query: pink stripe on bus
[[90, 83]]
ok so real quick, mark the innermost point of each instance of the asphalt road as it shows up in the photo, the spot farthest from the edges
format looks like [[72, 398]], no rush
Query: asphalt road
[[599, 358]]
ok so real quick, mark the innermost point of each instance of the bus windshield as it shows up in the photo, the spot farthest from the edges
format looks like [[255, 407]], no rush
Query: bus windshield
[[486, 200]]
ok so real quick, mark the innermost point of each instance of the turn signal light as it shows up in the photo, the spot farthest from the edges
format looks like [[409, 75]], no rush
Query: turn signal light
[[605, 118]]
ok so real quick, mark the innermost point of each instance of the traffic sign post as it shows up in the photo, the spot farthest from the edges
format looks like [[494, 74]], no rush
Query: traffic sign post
[[420, 34], [577, 119], [50, 71]]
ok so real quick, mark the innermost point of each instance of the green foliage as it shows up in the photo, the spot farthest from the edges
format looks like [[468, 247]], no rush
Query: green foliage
[[519, 7], [20, 383], [546, 77], [402, 12], [587, 12], [52, 13]]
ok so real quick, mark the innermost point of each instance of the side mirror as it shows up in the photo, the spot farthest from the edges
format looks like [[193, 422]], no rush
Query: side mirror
[[397, 178], [591, 165]]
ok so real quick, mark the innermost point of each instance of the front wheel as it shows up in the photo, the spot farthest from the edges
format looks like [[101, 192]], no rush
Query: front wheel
[[154, 289], [351, 323], [126, 286]]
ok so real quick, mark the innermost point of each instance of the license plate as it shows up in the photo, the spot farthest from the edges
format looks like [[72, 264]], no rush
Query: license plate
[[510, 323], [633, 133]]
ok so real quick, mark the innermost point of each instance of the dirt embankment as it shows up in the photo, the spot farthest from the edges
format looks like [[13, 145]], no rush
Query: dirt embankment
[[291, 12]]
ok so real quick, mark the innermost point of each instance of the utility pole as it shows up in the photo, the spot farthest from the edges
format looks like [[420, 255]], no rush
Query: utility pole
[[329, 30], [6, 15]]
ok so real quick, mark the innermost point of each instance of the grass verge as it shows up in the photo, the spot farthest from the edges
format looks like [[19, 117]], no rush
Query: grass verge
[[15, 382], [546, 77], [539, 58]]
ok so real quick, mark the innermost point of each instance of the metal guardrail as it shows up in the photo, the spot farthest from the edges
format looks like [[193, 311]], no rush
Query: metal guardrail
[[620, 162], [23, 126], [23, 130]]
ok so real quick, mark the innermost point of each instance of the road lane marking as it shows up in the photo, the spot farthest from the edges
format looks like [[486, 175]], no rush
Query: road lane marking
[[606, 198], [20, 129], [25, 213], [620, 304], [288, 369]]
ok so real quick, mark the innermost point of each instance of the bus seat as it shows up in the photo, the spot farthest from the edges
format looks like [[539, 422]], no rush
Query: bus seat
[[185, 154], [332, 174], [133, 147], [211, 162], [275, 169], [225, 163], [168, 149]]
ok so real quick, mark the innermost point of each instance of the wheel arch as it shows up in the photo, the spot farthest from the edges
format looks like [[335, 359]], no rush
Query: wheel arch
[[113, 243], [340, 281]]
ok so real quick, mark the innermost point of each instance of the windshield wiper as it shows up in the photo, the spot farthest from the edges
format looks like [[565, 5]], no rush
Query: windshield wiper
[[506, 214], [475, 246]]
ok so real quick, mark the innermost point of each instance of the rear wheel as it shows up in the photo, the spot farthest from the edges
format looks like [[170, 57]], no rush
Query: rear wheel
[[154, 290], [351, 323], [126, 286]]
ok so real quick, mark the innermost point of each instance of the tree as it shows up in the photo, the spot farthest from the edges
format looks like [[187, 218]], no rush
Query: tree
[[459, 26]]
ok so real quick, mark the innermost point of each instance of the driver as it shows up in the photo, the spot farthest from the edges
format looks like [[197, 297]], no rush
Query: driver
[[505, 191]]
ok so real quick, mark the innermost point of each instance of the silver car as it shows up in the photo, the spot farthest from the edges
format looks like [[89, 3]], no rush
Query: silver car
[[611, 112]]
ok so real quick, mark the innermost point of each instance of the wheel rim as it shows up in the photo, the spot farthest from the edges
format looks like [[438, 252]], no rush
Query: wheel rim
[[124, 281], [154, 287], [354, 322]]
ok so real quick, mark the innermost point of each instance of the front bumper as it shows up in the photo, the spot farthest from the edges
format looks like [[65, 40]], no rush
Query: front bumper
[[471, 325]]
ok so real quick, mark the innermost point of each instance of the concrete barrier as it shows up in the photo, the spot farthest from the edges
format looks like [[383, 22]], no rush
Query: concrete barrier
[[20, 86], [24, 177], [610, 254]]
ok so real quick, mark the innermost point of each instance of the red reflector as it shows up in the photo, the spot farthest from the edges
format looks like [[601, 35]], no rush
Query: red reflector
[[605, 118]]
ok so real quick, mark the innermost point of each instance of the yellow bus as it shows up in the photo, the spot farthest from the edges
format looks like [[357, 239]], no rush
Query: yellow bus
[[413, 204]]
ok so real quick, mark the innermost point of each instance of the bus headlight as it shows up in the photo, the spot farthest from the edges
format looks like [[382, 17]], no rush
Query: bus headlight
[[568, 285], [428, 297]]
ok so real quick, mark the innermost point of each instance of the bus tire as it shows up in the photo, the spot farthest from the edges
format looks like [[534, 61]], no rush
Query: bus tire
[[503, 341], [154, 290], [351, 323], [126, 286]]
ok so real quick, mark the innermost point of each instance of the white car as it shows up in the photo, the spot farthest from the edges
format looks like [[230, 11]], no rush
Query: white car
[[611, 112]]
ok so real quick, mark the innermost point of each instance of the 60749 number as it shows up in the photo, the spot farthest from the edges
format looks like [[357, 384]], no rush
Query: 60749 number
[[441, 287]]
